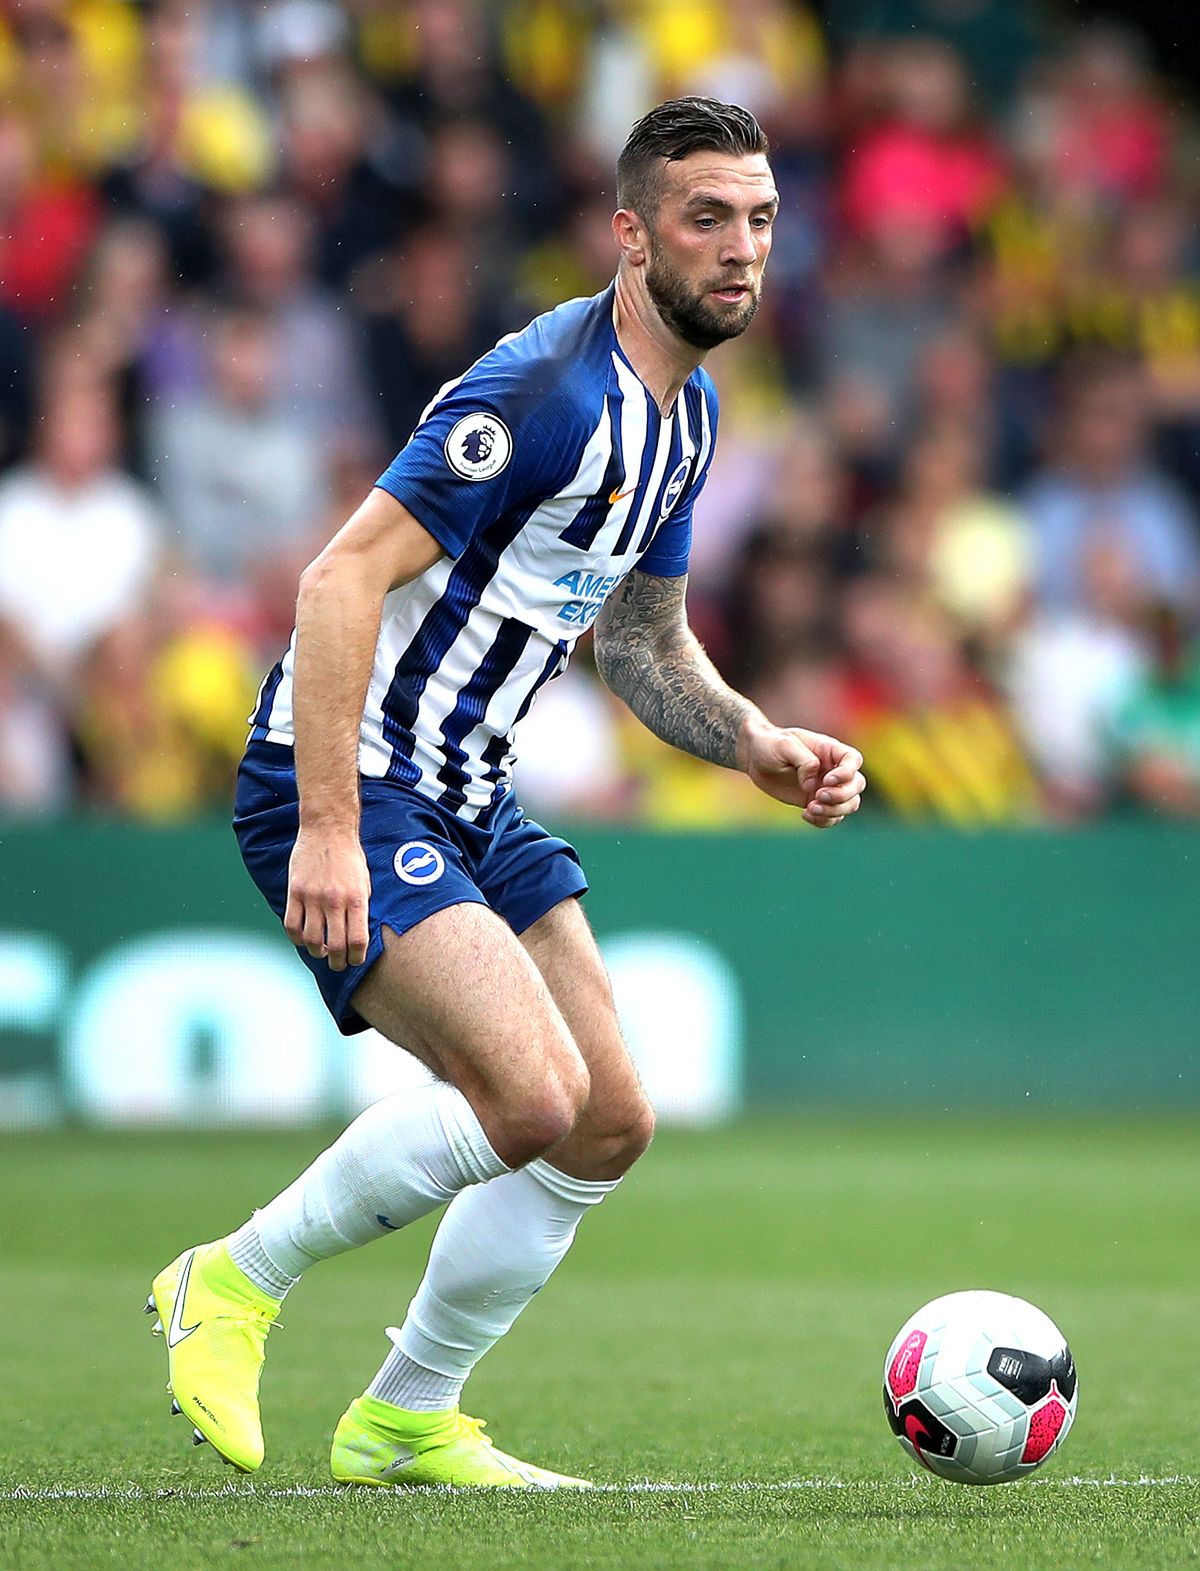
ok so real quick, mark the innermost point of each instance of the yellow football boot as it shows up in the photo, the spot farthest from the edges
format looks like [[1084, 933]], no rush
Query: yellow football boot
[[376, 1443], [215, 1321]]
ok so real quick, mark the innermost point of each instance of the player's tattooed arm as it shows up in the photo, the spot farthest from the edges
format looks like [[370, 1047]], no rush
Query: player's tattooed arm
[[649, 657]]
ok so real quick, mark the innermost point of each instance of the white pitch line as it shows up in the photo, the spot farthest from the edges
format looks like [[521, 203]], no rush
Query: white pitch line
[[231, 1491]]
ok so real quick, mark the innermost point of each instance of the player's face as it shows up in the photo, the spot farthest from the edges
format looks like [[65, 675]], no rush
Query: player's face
[[709, 242]]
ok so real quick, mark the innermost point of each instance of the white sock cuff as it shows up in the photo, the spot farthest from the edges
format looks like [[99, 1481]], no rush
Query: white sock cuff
[[471, 1147], [411, 1386], [248, 1254], [582, 1191], [451, 1349]]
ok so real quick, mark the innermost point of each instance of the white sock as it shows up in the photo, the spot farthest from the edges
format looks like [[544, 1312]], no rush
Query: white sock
[[497, 1244], [403, 1157]]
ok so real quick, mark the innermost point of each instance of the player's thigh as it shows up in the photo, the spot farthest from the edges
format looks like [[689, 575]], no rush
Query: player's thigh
[[460, 992], [565, 952]]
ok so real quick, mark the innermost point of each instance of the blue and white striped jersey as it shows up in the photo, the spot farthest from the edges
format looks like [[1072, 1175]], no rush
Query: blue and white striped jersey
[[547, 473]]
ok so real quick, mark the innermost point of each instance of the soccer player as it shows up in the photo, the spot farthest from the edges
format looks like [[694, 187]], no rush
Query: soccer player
[[548, 489]]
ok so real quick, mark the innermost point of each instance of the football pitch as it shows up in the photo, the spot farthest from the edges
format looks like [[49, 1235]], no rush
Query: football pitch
[[710, 1353]]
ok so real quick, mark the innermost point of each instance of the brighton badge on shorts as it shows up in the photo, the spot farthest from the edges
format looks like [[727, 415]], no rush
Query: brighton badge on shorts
[[478, 446], [418, 863]]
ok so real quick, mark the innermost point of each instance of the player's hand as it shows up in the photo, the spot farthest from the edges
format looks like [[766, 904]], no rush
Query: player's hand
[[806, 769], [329, 888]]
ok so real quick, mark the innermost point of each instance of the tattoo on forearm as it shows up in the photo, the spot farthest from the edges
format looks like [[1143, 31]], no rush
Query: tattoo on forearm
[[650, 658]]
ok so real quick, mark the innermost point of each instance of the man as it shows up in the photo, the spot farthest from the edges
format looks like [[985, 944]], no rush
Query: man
[[245, 482], [551, 486], [80, 540]]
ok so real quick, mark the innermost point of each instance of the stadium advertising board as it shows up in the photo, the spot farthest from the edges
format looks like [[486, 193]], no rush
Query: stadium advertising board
[[141, 980]]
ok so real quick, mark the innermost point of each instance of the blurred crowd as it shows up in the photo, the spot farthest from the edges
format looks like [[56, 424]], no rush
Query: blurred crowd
[[953, 514]]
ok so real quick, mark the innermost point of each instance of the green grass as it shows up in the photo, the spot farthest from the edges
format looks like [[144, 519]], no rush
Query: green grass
[[722, 1321]]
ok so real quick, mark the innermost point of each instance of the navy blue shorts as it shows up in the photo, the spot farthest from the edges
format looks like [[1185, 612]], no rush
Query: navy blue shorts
[[421, 859]]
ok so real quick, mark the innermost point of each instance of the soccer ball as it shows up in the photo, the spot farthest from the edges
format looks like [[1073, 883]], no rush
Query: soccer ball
[[979, 1387]]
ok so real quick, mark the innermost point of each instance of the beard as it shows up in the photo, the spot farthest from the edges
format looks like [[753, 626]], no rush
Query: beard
[[689, 312]]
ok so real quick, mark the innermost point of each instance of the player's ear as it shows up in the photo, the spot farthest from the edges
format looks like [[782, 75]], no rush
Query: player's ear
[[631, 236]]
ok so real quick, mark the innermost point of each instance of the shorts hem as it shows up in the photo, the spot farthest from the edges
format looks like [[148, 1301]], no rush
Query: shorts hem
[[535, 910], [340, 1001]]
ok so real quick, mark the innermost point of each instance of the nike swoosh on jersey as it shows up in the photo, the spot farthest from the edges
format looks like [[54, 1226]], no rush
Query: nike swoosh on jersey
[[616, 496], [177, 1332]]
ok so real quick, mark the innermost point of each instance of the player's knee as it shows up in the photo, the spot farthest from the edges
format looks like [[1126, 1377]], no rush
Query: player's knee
[[564, 1097], [575, 1079], [640, 1132], [540, 1118], [541, 1123], [633, 1138], [608, 1146]]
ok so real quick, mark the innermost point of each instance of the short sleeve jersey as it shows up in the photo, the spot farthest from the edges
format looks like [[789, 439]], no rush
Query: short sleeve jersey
[[547, 473]]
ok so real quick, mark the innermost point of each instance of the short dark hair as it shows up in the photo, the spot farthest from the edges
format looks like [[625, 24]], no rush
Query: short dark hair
[[672, 131]]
